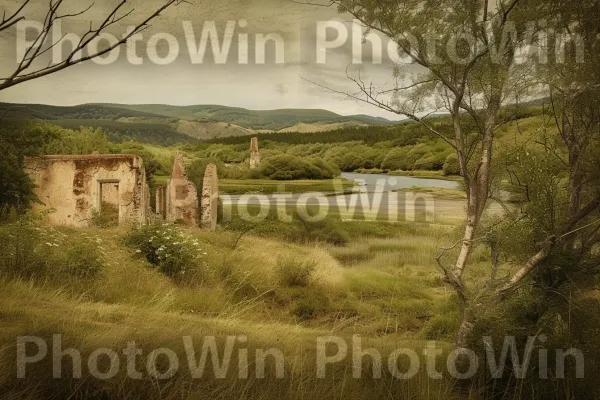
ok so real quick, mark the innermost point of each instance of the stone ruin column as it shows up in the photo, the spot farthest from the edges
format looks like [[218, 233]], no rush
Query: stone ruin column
[[254, 154], [210, 198], [183, 204]]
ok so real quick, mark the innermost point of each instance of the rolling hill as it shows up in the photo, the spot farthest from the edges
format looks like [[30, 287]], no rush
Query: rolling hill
[[167, 125], [271, 120]]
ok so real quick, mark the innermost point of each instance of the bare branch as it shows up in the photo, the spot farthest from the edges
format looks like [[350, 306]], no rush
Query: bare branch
[[371, 97], [13, 18], [34, 52]]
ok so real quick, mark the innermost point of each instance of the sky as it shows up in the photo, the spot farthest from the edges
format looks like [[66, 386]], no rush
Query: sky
[[165, 66]]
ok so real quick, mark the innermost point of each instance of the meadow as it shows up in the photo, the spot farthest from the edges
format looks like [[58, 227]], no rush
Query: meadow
[[278, 285], [274, 284]]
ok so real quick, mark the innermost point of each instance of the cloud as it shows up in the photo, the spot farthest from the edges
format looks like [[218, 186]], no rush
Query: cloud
[[267, 86]]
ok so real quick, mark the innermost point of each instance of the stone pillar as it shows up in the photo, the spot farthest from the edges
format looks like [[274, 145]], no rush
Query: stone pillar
[[210, 198], [254, 154], [183, 197]]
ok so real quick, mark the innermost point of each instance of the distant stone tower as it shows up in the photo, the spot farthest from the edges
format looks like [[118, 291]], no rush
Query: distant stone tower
[[254, 154]]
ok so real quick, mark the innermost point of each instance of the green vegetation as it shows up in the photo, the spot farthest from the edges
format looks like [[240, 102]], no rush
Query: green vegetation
[[266, 186], [144, 132], [31, 250], [439, 193], [285, 283], [382, 284], [254, 119], [166, 247]]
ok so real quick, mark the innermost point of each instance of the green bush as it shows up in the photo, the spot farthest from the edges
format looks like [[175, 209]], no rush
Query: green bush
[[289, 167], [291, 272], [451, 166], [167, 248], [29, 249]]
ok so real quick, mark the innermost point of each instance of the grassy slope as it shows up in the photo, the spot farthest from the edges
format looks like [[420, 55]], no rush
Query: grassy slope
[[384, 287]]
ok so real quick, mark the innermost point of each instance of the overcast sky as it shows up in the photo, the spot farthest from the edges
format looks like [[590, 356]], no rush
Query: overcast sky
[[274, 84]]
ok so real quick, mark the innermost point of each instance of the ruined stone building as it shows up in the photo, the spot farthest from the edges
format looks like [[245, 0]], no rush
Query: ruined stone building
[[77, 185], [254, 153]]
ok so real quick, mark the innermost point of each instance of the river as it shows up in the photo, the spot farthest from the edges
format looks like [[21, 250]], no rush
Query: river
[[389, 182], [374, 195]]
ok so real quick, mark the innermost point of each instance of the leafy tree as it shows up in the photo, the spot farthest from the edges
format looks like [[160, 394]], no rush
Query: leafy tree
[[18, 141], [470, 83]]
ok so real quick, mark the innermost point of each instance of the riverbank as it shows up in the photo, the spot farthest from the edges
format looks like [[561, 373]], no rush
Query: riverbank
[[424, 174]]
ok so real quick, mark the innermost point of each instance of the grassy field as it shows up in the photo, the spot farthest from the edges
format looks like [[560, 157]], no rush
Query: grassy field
[[266, 186], [382, 284], [439, 193], [276, 285]]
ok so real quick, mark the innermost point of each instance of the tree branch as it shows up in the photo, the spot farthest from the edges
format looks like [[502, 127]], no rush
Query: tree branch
[[548, 246], [35, 51]]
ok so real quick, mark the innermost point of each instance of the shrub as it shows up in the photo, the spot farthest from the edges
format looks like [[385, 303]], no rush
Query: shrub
[[451, 166], [291, 272], [29, 249], [289, 167], [166, 247]]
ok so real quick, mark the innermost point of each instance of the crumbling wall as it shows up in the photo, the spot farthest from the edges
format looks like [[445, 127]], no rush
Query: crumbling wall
[[72, 185], [182, 195], [210, 198], [254, 153]]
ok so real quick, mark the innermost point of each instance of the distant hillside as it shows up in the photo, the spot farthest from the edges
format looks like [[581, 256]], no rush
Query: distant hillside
[[272, 120], [119, 124], [167, 125]]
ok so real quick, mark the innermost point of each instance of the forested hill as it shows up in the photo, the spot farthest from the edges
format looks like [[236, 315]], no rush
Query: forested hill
[[271, 120], [167, 125]]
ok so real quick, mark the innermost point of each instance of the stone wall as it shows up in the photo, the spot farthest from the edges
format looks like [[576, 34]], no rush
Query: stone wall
[[210, 198], [75, 186], [182, 197]]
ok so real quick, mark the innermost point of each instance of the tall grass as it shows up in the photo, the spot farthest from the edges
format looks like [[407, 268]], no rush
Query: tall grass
[[382, 283]]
